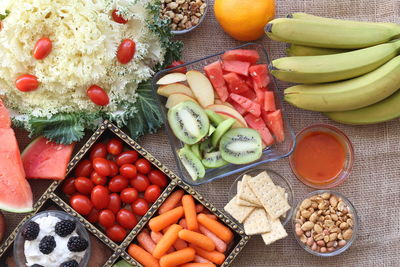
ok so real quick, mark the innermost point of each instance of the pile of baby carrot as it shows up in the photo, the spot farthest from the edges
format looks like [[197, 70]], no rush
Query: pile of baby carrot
[[184, 234]]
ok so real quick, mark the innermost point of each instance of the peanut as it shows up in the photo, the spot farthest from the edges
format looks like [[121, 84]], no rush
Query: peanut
[[323, 249], [318, 229], [305, 204], [321, 243], [347, 234], [307, 226], [310, 241], [342, 243]]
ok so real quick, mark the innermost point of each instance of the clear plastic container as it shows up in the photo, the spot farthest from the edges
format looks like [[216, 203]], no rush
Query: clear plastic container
[[19, 243], [275, 152]]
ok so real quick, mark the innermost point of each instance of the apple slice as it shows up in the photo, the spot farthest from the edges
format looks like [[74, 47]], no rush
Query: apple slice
[[175, 77], [175, 99], [174, 88], [237, 124], [228, 110], [201, 87]]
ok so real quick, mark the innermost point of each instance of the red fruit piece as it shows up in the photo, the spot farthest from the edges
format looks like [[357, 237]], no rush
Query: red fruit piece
[[115, 203], [259, 125], [176, 63], [250, 106], [236, 106], [260, 76], [274, 122], [98, 95], [42, 48], [100, 197], [84, 168], [83, 185], [116, 233], [27, 83], [99, 150], [235, 83], [126, 51], [269, 101], [158, 178], [117, 17], [250, 56], [126, 219], [127, 157], [68, 186], [239, 67], [81, 204], [250, 94], [106, 218], [215, 75], [101, 166]]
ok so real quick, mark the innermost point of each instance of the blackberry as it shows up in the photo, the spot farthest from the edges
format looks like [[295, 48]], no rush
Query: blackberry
[[47, 244], [65, 227], [31, 231], [72, 263], [77, 244]]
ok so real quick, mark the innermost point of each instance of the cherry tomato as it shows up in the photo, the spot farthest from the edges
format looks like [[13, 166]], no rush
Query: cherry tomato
[[100, 197], [129, 195], [27, 83], [42, 48], [115, 203], [98, 179], [127, 157], [140, 207], [118, 18], [126, 51], [116, 233], [69, 186], [140, 182], [106, 218], [98, 95], [83, 185], [118, 183], [101, 166], [81, 204], [113, 168], [99, 150], [84, 168], [176, 64], [126, 219], [114, 146], [152, 193], [143, 166], [93, 216], [157, 177], [128, 171]]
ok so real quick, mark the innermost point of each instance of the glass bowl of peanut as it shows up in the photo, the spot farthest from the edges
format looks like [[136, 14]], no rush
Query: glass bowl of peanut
[[184, 15], [325, 223]]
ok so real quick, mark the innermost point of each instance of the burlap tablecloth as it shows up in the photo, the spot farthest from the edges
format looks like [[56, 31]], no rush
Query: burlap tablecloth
[[374, 185]]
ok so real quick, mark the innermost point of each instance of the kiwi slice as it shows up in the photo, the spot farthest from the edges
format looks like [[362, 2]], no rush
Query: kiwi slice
[[196, 150], [206, 146], [211, 130], [189, 122], [213, 160], [241, 146], [215, 118], [222, 128], [191, 163]]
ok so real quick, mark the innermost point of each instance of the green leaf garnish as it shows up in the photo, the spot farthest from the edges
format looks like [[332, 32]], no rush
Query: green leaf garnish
[[3, 16]]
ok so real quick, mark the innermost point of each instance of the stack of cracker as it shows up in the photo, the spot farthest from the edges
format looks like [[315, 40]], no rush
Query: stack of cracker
[[259, 204]]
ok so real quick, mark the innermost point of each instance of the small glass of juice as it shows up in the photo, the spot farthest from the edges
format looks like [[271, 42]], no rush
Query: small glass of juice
[[323, 157]]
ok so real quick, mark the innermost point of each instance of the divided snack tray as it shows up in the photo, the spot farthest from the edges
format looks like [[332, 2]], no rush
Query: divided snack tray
[[54, 198], [271, 153]]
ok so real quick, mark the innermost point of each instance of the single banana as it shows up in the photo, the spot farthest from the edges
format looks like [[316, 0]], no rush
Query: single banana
[[331, 34], [350, 94], [385, 110], [332, 68], [293, 50]]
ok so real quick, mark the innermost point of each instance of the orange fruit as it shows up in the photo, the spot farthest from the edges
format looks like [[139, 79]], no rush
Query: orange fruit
[[244, 20]]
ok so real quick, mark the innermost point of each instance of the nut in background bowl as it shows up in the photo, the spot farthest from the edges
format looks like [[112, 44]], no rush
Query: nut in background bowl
[[185, 15], [299, 235]]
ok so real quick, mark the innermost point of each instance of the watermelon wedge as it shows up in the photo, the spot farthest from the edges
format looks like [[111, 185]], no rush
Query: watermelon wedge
[[215, 74], [235, 83], [15, 191], [269, 101], [250, 56], [239, 67], [250, 106], [259, 125], [259, 73], [274, 122], [43, 159]]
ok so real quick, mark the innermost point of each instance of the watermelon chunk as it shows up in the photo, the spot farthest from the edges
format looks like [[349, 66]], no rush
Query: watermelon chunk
[[250, 56], [43, 159], [250, 106], [5, 121], [215, 75], [239, 67], [250, 95], [236, 106], [258, 124], [260, 93], [274, 122], [260, 76], [235, 83], [269, 101]]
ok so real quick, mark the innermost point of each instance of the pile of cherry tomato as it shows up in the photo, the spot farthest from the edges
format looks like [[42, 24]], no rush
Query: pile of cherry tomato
[[113, 187]]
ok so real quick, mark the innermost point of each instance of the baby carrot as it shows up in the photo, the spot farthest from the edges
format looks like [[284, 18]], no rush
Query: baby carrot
[[197, 239], [199, 208], [178, 257], [216, 227], [166, 219], [166, 241], [182, 222], [142, 256], [212, 216], [200, 259], [145, 241], [195, 264], [213, 256], [220, 245], [180, 244], [156, 237], [189, 207], [171, 202]]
